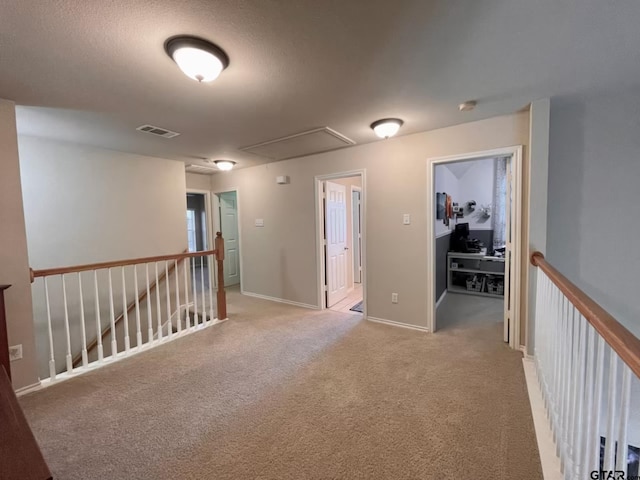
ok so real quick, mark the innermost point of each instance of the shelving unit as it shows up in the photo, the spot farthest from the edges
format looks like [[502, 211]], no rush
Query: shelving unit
[[463, 266]]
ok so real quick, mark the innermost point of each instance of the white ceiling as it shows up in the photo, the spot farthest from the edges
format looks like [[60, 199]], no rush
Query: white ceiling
[[91, 71]]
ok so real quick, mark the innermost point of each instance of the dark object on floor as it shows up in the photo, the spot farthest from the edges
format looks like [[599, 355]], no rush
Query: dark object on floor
[[357, 307]]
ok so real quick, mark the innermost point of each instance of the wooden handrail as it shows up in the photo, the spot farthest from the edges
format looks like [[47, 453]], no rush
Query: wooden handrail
[[621, 340], [118, 263], [106, 330]]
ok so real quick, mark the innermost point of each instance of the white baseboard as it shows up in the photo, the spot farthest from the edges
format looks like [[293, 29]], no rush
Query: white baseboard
[[398, 324], [551, 469], [280, 300], [110, 360], [28, 389], [441, 298]]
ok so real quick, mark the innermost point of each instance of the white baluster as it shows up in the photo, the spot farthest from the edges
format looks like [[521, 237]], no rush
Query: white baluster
[[204, 296], [573, 400], [210, 267], [195, 294], [85, 358], [625, 397], [159, 312], [149, 317], [125, 313], [98, 321], [66, 326], [168, 292], [185, 262], [585, 446], [179, 319], [609, 451], [594, 451], [579, 419], [137, 300], [112, 318], [52, 358]]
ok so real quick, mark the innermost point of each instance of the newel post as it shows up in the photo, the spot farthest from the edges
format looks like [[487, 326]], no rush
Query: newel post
[[221, 294]]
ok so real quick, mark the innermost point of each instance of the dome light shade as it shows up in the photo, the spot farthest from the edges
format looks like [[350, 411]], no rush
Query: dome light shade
[[197, 58], [386, 127], [224, 165]]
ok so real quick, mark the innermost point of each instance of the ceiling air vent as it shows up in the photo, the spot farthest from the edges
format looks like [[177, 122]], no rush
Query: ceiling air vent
[[201, 169], [160, 132]]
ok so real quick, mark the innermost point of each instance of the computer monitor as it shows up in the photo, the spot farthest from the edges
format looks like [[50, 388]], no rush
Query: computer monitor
[[462, 230]]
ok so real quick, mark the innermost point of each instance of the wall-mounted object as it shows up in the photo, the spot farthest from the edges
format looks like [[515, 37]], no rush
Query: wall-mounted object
[[259, 222], [282, 179], [441, 210]]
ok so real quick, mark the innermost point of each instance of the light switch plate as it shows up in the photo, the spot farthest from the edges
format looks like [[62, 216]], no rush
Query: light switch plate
[[15, 352], [394, 298], [259, 222], [406, 219]]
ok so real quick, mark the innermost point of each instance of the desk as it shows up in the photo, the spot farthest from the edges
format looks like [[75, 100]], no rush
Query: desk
[[486, 269]]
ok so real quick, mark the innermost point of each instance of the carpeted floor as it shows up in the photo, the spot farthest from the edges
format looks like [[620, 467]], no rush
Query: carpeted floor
[[280, 392]]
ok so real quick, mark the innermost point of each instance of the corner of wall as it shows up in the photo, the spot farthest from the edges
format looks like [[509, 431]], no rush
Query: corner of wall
[[14, 261]]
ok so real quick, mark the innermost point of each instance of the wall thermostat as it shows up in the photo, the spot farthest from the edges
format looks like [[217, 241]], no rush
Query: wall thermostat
[[282, 179]]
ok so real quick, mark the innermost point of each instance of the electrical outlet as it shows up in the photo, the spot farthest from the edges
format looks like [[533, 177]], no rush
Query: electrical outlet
[[394, 298], [15, 352], [406, 219]]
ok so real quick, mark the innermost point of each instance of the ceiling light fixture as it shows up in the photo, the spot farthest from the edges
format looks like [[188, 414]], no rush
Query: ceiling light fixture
[[467, 106], [387, 127], [224, 165], [198, 59]]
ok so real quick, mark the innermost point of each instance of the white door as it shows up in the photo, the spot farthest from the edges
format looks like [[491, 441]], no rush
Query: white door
[[511, 270], [229, 229], [335, 221], [357, 237]]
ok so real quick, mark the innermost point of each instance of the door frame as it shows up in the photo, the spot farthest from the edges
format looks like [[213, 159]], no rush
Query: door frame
[[215, 203], [207, 213], [355, 188], [320, 250], [515, 152]]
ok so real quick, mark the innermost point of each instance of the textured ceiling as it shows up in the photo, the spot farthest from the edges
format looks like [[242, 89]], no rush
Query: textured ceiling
[[91, 71]]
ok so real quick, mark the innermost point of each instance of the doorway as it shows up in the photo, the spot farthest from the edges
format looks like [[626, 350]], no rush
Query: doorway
[[340, 211], [197, 223], [227, 220], [474, 211]]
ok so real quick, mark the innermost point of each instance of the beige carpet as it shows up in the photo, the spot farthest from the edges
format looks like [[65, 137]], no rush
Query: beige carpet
[[281, 392]]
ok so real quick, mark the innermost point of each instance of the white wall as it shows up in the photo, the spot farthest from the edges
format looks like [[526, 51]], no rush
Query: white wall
[[279, 260], [477, 183], [465, 181], [14, 262], [85, 205], [594, 197], [198, 182]]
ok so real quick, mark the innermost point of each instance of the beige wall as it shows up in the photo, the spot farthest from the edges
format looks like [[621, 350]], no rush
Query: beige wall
[[84, 205], [198, 182], [279, 260], [14, 263], [349, 182]]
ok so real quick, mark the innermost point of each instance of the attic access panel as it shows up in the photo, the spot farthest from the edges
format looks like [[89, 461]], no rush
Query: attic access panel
[[301, 144]]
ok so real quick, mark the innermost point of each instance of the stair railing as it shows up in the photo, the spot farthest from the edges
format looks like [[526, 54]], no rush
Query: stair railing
[[586, 362], [84, 319]]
